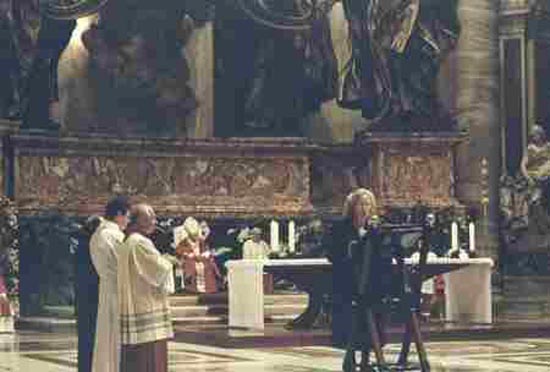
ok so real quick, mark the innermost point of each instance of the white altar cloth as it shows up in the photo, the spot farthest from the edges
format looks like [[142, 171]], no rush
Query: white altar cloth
[[467, 288]]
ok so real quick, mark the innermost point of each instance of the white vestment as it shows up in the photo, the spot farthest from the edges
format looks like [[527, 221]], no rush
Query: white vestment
[[255, 250], [103, 250], [145, 279]]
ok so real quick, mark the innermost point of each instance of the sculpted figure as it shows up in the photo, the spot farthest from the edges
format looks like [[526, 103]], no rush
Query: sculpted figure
[[278, 58], [33, 35], [137, 60], [525, 197], [535, 167], [536, 163], [19, 24], [398, 46]]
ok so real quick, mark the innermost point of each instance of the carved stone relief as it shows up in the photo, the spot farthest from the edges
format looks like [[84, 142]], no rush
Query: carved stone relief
[[192, 183], [415, 177], [407, 171]]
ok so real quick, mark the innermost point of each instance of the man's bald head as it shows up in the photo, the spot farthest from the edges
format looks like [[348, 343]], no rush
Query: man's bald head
[[143, 218]]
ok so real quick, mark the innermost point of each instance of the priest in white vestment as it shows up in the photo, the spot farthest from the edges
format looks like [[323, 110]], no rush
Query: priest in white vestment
[[104, 246], [145, 279]]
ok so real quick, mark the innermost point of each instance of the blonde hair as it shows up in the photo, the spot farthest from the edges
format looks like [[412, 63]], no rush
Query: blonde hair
[[363, 197]]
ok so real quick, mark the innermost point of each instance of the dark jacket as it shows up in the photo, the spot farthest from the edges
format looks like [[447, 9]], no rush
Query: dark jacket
[[86, 296], [361, 274]]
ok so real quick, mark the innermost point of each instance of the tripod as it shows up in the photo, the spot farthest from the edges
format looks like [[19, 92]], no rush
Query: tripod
[[406, 283]]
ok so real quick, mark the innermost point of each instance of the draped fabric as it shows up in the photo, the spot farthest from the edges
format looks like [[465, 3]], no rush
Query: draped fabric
[[278, 76], [70, 9], [104, 246], [201, 274], [145, 280], [34, 69], [19, 20], [141, 73], [398, 46], [294, 73]]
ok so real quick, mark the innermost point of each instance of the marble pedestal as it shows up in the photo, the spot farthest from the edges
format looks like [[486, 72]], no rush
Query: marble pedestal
[[406, 168]]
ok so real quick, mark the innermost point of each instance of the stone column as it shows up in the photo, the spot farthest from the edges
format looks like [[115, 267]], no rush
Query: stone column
[[476, 103]]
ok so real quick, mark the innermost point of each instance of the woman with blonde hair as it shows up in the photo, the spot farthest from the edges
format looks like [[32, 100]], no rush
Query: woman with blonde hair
[[350, 240], [361, 206]]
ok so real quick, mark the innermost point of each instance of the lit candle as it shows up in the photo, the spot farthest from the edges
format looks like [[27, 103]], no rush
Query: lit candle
[[274, 236], [472, 236], [454, 236], [291, 236]]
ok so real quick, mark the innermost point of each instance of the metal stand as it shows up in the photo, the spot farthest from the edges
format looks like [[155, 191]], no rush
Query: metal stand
[[410, 282]]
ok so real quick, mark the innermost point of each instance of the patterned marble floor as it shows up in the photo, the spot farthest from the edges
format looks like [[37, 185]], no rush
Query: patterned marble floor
[[49, 352]]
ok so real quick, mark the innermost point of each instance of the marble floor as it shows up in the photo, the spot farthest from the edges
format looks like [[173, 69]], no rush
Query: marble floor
[[49, 352]]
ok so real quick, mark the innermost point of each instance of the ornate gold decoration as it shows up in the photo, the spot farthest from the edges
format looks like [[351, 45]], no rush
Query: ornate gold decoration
[[405, 170], [193, 184]]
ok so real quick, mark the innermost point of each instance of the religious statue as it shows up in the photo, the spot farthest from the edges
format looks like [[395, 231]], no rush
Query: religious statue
[[536, 163], [9, 92], [397, 48], [138, 63], [34, 34], [19, 22], [281, 72], [525, 196], [280, 101], [535, 167]]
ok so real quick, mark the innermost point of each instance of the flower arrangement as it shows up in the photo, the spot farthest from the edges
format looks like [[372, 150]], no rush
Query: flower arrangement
[[9, 249]]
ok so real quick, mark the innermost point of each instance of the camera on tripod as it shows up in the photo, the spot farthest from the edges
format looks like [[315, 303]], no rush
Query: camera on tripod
[[384, 286]]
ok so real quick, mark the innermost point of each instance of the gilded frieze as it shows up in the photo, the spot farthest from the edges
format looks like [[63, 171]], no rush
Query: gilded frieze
[[200, 184], [412, 178]]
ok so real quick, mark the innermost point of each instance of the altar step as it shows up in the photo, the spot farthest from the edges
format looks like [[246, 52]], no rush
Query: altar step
[[213, 308]]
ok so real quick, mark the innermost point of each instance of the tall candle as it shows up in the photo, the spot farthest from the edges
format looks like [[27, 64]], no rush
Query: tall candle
[[274, 236], [291, 236], [472, 236], [454, 236]]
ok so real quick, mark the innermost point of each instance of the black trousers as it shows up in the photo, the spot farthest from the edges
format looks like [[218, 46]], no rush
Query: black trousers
[[86, 305]]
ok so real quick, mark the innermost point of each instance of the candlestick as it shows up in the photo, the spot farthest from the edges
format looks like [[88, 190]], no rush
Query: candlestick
[[454, 236], [472, 236], [291, 236], [274, 236]]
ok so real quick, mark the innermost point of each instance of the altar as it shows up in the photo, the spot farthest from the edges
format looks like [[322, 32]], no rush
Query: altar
[[284, 153], [468, 295]]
